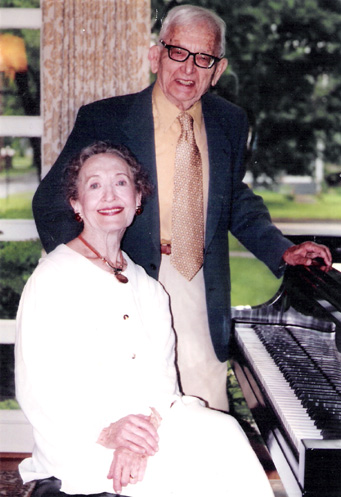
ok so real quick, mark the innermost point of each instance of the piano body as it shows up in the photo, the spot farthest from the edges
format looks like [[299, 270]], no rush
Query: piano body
[[287, 360]]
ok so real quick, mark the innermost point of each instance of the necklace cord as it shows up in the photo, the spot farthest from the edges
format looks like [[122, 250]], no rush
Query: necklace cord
[[117, 270]]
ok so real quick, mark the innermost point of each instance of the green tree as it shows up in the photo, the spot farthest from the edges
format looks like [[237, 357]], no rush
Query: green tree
[[285, 71]]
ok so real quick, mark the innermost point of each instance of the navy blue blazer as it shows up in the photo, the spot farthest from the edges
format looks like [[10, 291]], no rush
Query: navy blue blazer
[[232, 206]]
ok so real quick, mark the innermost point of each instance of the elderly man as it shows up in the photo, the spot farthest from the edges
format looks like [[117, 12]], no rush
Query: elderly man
[[192, 144]]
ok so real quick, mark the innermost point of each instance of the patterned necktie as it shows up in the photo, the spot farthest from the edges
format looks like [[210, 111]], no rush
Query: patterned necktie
[[188, 206]]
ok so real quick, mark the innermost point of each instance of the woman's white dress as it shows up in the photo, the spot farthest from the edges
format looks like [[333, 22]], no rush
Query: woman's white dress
[[91, 350]]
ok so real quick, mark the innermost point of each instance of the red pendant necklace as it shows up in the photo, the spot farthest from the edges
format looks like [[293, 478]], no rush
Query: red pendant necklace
[[116, 270]]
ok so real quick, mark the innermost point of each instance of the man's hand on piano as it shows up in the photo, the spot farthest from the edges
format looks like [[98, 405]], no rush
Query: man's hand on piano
[[307, 254]]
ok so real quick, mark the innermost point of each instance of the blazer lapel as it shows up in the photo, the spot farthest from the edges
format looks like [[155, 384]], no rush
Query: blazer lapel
[[139, 129], [219, 152]]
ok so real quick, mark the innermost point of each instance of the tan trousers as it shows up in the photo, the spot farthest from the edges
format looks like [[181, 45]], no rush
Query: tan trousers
[[201, 373]]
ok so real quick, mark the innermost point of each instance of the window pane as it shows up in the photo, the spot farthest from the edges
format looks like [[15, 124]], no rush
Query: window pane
[[25, 4], [19, 176], [17, 262], [20, 78], [7, 388], [18, 182]]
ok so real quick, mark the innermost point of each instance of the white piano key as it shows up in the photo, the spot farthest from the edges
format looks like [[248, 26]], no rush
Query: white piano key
[[288, 407]]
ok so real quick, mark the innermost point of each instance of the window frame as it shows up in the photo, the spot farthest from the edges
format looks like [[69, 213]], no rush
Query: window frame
[[15, 431], [31, 126]]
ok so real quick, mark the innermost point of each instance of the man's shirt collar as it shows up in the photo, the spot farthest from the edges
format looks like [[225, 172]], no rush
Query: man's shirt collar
[[167, 112]]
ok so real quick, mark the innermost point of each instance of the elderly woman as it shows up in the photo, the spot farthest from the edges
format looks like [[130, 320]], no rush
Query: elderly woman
[[95, 363]]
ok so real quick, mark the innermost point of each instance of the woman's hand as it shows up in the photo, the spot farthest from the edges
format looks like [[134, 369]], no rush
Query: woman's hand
[[136, 432], [126, 467], [134, 438]]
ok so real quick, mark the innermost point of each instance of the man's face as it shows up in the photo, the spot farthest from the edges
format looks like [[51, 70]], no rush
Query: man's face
[[184, 83]]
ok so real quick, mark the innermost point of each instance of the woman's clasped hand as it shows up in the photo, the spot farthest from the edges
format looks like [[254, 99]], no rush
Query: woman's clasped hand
[[127, 467], [134, 432], [135, 438]]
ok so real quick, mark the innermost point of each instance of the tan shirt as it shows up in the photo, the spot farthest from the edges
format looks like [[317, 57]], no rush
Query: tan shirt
[[167, 132]]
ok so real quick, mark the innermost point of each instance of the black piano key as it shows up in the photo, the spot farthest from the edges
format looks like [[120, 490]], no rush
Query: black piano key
[[300, 363]]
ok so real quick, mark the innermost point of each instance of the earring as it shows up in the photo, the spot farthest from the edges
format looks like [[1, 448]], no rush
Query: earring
[[139, 210], [78, 217]]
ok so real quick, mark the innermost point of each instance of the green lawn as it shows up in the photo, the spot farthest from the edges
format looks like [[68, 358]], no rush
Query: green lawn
[[20, 167], [324, 206], [9, 404], [16, 206], [252, 282]]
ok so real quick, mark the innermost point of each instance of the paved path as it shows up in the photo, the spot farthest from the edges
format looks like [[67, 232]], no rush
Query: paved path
[[18, 184], [322, 228], [24, 229], [326, 228]]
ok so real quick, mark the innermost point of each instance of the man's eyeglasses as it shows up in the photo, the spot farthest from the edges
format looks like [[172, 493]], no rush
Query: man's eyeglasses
[[203, 60]]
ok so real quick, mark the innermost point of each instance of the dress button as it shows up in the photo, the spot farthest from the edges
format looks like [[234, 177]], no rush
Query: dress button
[[125, 317]]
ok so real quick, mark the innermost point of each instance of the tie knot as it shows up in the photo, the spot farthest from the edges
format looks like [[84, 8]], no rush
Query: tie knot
[[186, 121]]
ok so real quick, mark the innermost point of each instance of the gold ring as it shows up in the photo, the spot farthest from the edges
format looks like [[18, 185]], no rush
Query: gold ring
[[132, 477]]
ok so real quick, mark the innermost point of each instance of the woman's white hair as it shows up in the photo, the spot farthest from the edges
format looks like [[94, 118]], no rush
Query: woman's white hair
[[185, 15]]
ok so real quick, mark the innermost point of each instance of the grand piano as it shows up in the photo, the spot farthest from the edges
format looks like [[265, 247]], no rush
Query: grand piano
[[287, 359]]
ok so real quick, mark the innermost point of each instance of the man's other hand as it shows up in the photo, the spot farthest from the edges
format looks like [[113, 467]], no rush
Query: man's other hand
[[306, 254]]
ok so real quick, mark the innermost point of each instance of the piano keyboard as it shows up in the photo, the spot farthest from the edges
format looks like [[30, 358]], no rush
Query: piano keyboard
[[311, 364], [294, 417]]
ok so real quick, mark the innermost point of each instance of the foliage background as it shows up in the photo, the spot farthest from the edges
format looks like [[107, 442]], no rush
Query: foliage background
[[17, 262], [285, 71]]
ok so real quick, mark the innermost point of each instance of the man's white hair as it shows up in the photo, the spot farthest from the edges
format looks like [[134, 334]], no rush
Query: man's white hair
[[186, 15]]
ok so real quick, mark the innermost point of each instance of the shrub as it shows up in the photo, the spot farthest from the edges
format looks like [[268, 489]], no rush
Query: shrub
[[17, 262]]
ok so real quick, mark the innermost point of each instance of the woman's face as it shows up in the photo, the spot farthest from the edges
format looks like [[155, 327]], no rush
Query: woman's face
[[107, 197]]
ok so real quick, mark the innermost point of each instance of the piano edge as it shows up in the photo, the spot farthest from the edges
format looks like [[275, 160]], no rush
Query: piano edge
[[294, 471]]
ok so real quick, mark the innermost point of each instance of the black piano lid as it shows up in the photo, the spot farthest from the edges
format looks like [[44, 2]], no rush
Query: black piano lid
[[308, 297], [307, 303]]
